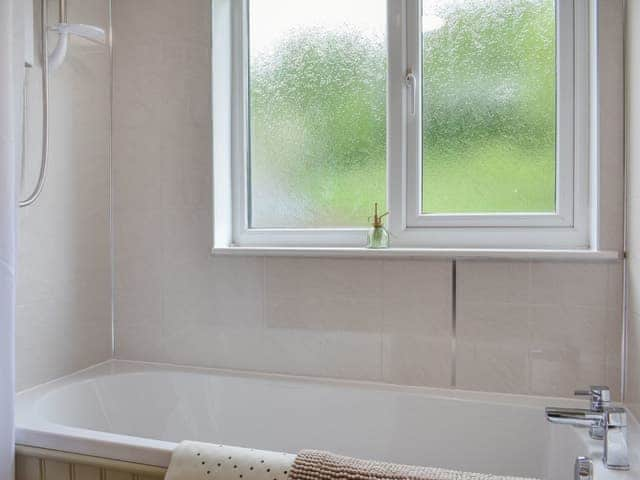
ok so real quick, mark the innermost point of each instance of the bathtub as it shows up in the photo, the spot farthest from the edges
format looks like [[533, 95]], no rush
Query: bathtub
[[135, 412]]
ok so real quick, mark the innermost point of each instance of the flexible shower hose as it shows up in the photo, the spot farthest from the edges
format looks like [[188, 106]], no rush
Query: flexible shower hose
[[44, 48]]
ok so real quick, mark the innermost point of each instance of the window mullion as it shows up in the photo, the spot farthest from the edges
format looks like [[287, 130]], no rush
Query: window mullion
[[402, 43]]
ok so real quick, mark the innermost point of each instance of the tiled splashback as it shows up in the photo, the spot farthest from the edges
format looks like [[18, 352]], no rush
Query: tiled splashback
[[522, 327], [63, 313], [538, 327], [390, 320]]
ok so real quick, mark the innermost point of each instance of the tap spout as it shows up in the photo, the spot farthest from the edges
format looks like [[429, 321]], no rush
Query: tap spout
[[573, 416]]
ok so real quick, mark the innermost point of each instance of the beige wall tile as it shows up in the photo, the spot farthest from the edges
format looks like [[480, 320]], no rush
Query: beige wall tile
[[493, 322], [417, 359], [324, 294], [493, 281], [569, 283], [353, 355], [492, 367], [633, 359], [417, 297]]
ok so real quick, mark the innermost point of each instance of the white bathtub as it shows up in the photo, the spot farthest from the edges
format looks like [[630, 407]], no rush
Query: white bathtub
[[136, 412]]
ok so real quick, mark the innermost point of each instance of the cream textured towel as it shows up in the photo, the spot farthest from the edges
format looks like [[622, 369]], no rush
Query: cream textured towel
[[205, 461], [318, 465]]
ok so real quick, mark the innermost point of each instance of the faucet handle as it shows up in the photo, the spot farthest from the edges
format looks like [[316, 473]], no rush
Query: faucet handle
[[600, 396], [616, 450]]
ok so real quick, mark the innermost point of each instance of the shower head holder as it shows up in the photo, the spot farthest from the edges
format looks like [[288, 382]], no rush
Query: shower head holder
[[88, 32]]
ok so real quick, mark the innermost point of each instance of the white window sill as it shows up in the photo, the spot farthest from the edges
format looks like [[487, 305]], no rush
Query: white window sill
[[351, 252]]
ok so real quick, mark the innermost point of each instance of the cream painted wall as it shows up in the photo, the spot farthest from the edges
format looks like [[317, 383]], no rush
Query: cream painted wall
[[63, 318], [521, 327], [632, 397]]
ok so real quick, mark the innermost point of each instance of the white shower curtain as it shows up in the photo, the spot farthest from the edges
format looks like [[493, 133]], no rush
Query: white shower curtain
[[11, 74]]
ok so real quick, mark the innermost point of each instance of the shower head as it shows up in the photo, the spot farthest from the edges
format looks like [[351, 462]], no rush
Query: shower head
[[88, 32]]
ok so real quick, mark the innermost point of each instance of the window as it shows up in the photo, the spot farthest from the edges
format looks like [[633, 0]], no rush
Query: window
[[488, 107], [468, 120], [317, 112]]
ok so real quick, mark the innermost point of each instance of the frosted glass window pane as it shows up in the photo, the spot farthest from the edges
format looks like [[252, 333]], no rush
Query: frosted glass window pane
[[489, 106], [317, 86]]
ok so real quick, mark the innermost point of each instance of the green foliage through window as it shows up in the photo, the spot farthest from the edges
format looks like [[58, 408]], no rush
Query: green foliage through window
[[318, 109]]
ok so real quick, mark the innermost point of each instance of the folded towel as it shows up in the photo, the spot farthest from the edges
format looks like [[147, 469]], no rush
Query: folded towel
[[318, 465], [205, 461]]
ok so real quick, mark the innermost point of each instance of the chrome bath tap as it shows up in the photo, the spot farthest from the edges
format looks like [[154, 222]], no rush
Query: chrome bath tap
[[604, 421]]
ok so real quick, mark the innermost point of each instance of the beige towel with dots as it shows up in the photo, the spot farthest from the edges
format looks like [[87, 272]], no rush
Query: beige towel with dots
[[206, 461], [319, 465]]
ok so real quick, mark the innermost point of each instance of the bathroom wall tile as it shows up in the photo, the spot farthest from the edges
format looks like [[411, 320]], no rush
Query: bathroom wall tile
[[633, 221], [139, 246], [492, 367], [324, 294], [582, 328], [493, 322], [633, 285], [417, 359], [569, 283], [340, 313], [186, 236], [187, 294], [239, 291], [187, 183], [138, 274], [492, 326], [613, 375], [139, 234], [354, 355], [553, 372], [571, 346], [493, 281], [559, 371], [358, 278], [139, 324], [632, 398], [137, 169], [63, 334], [210, 345], [417, 297], [615, 286], [88, 12], [224, 291]]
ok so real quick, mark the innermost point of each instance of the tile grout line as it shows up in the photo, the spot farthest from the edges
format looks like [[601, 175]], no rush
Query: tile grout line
[[112, 253], [382, 319], [453, 322]]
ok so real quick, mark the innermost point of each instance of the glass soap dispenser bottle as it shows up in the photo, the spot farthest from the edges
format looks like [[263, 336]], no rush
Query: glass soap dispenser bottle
[[378, 236]]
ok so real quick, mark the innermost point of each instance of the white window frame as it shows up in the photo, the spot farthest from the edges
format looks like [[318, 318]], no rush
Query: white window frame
[[567, 228]]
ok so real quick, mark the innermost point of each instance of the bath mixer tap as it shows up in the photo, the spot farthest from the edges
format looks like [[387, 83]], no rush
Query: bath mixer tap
[[599, 394], [605, 423]]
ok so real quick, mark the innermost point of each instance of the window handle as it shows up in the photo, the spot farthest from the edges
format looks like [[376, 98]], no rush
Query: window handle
[[411, 82]]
